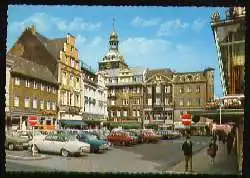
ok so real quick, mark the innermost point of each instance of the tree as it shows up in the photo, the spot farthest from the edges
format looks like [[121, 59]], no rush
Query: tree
[[196, 119]]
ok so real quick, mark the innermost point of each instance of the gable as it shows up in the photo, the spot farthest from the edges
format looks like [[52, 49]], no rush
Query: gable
[[159, 78], [29, 47]]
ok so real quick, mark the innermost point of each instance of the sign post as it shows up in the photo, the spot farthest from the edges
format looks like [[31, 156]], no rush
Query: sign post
[[32, 122]]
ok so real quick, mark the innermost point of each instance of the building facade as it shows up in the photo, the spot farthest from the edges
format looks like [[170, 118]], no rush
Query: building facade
[[69, 78], [229, 35], [95, 97], [9, 64], [32, 86], [191, 91], [158, 97], [124, 84]]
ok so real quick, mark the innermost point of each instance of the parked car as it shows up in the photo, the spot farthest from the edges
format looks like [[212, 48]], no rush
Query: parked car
[[96, 145], [149, 136], [14, 141], [61, 143], [120, 138], [102, 138]]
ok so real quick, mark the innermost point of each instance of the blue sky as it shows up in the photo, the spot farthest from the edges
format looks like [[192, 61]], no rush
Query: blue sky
[[155, 37]]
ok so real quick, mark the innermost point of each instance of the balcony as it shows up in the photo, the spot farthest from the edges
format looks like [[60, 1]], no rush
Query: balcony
[[70, 109]]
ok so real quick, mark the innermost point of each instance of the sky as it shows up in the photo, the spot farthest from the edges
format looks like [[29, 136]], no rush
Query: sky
[[179, 38]]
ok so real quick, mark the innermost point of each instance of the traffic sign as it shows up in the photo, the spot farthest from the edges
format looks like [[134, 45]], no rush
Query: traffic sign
[[186, 119], [32, 120]]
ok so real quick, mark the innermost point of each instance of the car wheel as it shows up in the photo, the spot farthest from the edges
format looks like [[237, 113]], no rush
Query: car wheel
[[36, 150], [11, 146], [64, 153]]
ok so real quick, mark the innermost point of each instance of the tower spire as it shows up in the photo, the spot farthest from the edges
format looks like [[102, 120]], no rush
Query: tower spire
[[113, 23]]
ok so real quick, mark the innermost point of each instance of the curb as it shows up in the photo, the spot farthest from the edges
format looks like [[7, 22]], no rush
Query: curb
[[27, 158]]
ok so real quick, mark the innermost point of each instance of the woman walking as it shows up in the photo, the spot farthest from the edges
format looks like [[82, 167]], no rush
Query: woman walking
[[212, 149]]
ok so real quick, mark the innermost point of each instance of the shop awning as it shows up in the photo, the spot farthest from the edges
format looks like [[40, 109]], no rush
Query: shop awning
[[226, 114], [72, 123]]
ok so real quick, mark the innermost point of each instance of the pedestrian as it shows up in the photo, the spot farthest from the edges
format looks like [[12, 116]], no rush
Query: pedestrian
[[230, 141], [212, 149], [187, 150]]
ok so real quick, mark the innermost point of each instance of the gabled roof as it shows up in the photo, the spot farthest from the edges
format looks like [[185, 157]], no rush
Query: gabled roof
[[31, 69], [53, 46]]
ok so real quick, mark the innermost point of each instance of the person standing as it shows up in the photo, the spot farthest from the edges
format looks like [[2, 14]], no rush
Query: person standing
[[230, 141], [187, 150], [212, 150]]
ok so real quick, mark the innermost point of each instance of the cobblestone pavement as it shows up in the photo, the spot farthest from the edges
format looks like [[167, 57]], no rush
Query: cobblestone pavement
[[138, 158]]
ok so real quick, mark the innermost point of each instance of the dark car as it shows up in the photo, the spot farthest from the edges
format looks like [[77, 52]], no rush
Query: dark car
[[96, 145], [15, 141]]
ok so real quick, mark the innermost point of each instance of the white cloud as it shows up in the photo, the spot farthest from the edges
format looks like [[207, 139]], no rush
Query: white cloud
[[41, 20], [140, 22], [45, 22], [198, 24], [172, 26]]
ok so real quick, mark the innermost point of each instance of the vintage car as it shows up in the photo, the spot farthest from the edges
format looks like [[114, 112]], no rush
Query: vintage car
[[103, 138], [121, 138], [149, 136], [61, 143], [96, 145], [15, 141]]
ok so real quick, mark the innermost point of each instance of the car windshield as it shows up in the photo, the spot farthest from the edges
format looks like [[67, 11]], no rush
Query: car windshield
[[92, 137]]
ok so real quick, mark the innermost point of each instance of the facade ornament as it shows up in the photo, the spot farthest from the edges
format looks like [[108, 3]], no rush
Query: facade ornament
[[215, 17]]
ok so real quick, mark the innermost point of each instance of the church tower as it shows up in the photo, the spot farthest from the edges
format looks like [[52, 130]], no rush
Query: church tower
[[112, 59]]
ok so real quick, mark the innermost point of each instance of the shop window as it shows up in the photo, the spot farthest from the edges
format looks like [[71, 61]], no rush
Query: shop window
[[17, 81]]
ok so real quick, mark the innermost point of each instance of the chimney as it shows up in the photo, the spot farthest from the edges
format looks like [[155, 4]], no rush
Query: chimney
[[33, 29]]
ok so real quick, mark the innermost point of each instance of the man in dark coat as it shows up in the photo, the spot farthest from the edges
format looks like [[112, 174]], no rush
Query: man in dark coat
[[187, 150]]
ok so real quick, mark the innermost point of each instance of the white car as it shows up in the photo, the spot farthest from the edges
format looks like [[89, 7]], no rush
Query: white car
[[61, 143]]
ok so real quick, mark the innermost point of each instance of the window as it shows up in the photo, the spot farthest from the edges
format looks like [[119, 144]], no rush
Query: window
[[125, 102], [48, 105], [17, 81], [149, 101], [198, 101], [54, 106], [138, 90], [166, 101], [158, 89], [27, 83], [149, 90], [72, 62], [42, 87], [35, 103], [138, 113], [134, 113], [118, 113], [197, 89], [77, 100], [181, 90], [64, 78], [27, 102], [112, 102], [138, 101], [167, 89], [48, 88], [181, 102], [125, 113], [41, 104], [16, 101], [189, 102], [158, 101], [72, 80], [188, 89], [35, 85], [112, 113]]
